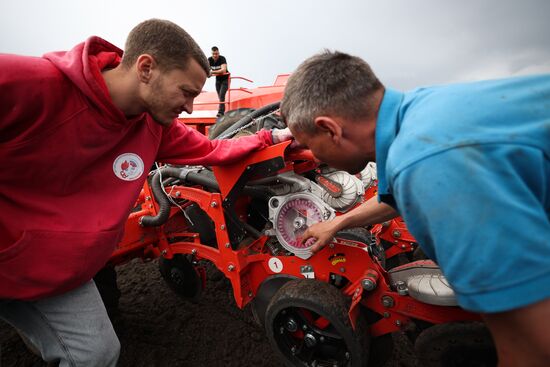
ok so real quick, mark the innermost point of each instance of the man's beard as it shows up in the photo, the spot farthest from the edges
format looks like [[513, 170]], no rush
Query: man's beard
[[156, 105]]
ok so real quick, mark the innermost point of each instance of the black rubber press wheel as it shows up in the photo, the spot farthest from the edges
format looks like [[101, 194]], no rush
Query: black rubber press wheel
[[307, 323]]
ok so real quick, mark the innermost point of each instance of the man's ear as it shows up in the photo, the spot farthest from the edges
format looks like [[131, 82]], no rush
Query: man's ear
[[328, 125], [145, 65]]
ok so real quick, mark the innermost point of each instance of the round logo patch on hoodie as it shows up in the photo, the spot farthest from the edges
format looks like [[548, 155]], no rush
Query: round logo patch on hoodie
[[128, 166]]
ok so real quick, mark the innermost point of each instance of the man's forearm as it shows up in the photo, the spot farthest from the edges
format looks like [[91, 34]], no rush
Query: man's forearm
[[221, 71], [369, 213]]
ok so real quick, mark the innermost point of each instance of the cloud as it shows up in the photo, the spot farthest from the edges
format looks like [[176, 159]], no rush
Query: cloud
[[525, 63], [408, 43]]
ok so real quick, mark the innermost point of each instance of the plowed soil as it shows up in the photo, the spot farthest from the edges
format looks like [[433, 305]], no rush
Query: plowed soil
[[158, 328]]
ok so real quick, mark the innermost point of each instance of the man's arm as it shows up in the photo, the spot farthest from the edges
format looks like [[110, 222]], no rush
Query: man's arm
[[183, 145], [521, 335], [220, 71], [368, 213]]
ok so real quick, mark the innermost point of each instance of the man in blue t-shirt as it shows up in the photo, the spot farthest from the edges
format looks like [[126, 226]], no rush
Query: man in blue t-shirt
[[218, 66], [466, 165]]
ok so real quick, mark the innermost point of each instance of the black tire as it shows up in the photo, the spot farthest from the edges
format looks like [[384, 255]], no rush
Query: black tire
[[307, 324], [269, 122], [181, 277], [358, 234], [265, 294], [262, 123], [362, 235], [243, 133], [223, 122], [456, 344]]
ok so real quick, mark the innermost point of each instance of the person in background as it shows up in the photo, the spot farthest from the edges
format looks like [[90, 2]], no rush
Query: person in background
[[218, 67]]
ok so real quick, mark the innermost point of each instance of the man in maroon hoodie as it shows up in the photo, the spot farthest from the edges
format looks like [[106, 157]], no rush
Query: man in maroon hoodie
[[78, 129]]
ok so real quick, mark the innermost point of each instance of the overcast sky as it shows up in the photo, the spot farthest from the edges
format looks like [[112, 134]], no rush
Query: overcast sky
[[407, 43]]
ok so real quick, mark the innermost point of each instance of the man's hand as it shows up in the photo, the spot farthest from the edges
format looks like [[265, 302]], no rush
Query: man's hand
[[366, 214], [323, 232], [280, 135]]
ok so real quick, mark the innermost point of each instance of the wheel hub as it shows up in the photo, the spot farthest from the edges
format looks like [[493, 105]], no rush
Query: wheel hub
[[312, 341], [291, 325]]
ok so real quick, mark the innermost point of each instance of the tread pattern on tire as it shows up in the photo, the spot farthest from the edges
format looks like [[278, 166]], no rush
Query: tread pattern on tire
[[326, 300], [225, 121]]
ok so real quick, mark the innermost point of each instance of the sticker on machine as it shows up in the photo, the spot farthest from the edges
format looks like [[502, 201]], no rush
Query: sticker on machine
[[128, 166], [337, 258], [275, 265]]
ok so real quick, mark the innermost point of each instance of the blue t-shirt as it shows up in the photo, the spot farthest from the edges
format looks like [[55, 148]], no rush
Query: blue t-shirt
[[468, 167]]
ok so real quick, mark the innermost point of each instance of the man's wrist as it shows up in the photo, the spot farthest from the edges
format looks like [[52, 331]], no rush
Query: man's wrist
[[339, 223]]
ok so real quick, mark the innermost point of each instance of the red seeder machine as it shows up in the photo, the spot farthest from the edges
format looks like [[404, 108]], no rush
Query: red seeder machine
[[337, 307]]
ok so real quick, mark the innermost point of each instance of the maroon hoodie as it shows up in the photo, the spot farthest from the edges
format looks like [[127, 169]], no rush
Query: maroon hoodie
[[72, 165]]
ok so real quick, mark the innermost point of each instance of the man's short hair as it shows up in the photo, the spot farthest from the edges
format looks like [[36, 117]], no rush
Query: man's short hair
[[168, 43], [214, 48], [332, 84]]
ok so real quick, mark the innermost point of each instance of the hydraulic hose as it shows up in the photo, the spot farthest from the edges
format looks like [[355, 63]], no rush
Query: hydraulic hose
[[162, 200], [203, 180], [170, 174]]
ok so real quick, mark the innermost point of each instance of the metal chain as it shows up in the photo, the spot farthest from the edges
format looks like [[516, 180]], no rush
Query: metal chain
[[254, 121]]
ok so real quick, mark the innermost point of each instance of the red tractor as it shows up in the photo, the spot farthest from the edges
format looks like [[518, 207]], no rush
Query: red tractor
[[337, 307]]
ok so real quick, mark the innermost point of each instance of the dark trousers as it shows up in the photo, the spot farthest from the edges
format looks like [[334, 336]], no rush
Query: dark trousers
[[72, 328], [221, 89]]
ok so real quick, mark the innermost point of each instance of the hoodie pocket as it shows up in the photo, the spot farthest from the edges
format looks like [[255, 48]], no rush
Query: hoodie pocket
[[46, 263]]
